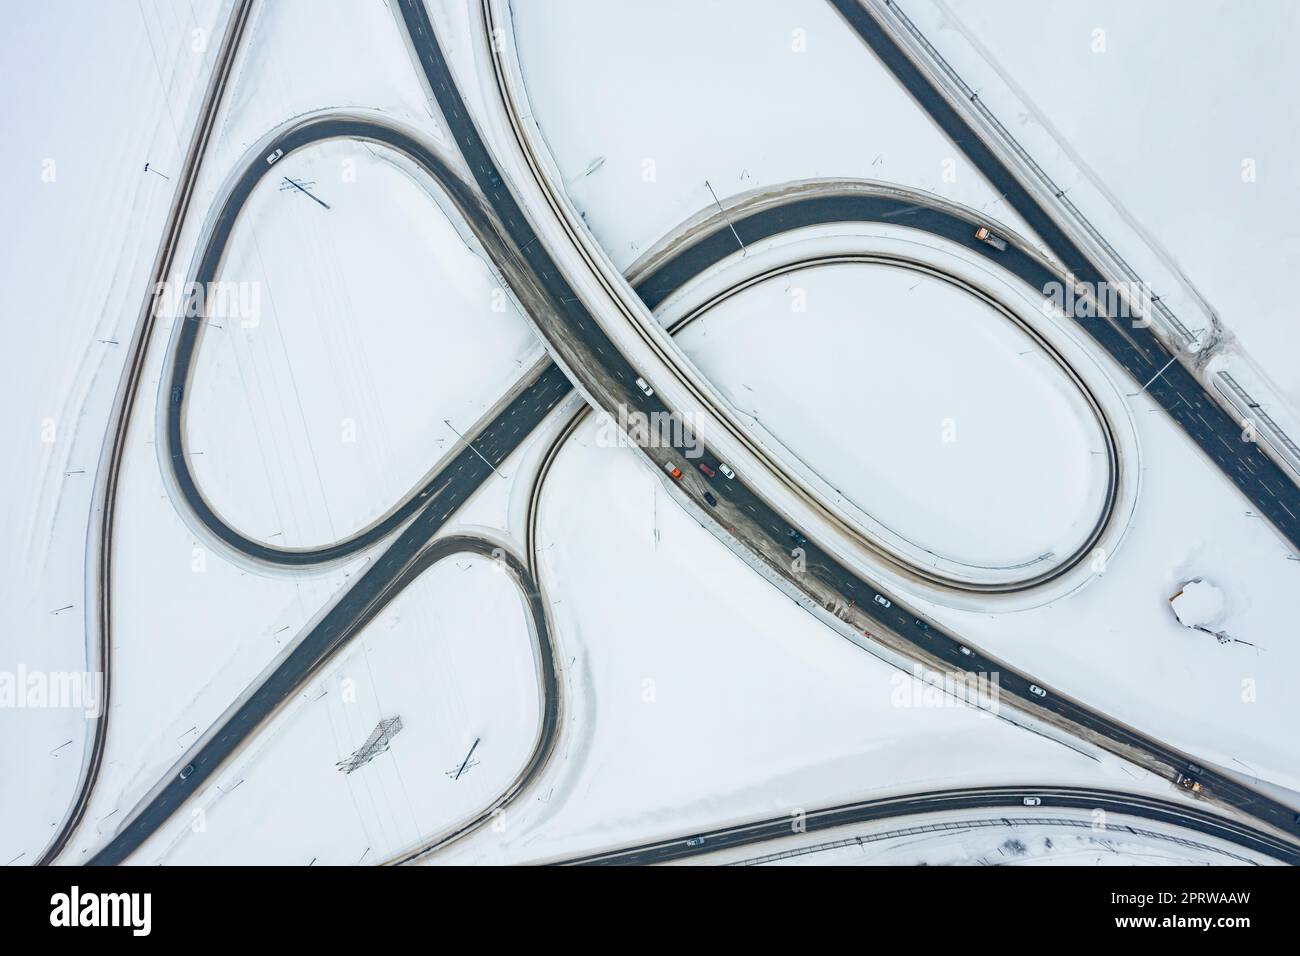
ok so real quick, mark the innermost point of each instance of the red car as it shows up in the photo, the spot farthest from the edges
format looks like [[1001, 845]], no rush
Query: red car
[[709, 472], [673, 470]]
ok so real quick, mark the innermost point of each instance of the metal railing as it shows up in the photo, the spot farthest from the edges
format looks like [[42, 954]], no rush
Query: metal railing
[[1251, 409]]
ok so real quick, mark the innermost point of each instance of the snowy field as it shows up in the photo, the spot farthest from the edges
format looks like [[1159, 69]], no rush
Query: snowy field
[[698, 695], [754, 94], [913, 399], [377, 326], [106, 88], [452, 656]]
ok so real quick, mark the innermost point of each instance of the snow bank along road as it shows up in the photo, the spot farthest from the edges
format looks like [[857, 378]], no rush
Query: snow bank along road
[[572, 332], [993, 798], [462, 475]]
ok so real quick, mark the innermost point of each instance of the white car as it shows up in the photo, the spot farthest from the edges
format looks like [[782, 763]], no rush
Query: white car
[[645, 387], [883, 601], [1033, 802], [965, 650], [726, 470], [1037, 691], [274, 156]]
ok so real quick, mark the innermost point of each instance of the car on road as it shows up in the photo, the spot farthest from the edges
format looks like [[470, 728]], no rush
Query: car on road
[[189, 769], [726, 470], [964, 649], [797, 538], [1037, 691], [270, 160], [920, 624], [1033, 802], [645, 387], [695, 841], [710, 499], [673, 470], [883, 601], [1190, 784], [707, 471], [177, 392], [986, 235]]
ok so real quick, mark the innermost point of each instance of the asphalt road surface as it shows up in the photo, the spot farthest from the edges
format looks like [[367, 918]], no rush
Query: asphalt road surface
[[1007, 800]]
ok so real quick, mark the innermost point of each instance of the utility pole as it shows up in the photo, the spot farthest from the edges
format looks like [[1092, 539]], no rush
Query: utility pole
[[465, 764], [743, 250], [306, 192]]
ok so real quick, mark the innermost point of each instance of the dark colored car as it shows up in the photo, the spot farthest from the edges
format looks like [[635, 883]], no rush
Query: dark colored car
[[189, 769], [710, 499]]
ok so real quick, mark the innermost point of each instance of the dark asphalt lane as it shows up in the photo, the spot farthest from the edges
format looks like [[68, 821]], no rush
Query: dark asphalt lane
[[455, 483], [1007, 800]]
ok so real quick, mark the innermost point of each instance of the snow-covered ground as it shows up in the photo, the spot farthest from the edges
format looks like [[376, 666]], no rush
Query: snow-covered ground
[[754, 94], [697, 694], [377, 326], [452, 656], [106, 88], [1115, 101], [913, 398]]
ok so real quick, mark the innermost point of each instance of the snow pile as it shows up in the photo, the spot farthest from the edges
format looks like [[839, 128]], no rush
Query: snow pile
[[1199, 604]]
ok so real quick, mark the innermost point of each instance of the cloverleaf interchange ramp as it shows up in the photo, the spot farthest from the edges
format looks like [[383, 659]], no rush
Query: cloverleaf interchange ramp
[[447, 489]]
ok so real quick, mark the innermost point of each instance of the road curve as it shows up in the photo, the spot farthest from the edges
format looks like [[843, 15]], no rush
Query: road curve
[[1007, 799], [189, 334]]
